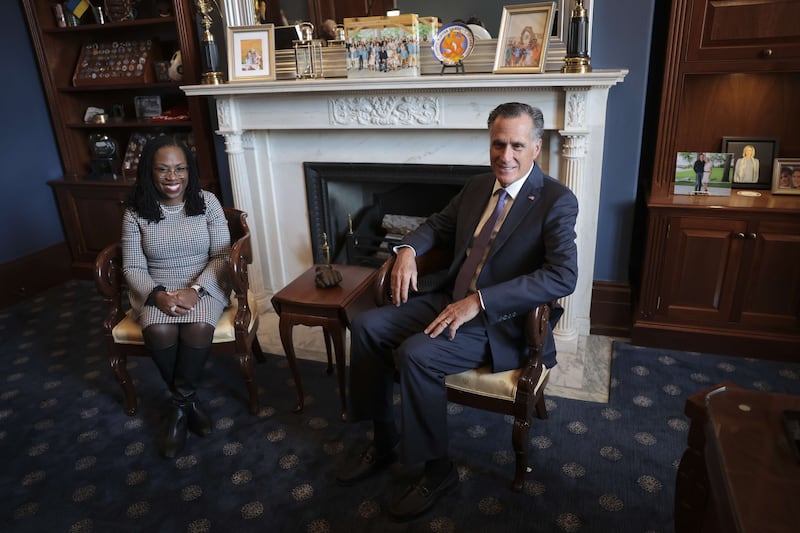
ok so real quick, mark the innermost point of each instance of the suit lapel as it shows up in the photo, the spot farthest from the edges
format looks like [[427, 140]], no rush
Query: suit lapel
[[524, 202]]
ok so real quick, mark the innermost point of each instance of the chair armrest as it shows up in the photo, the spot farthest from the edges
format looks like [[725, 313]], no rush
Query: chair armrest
[[433, 261], [536, 323], [241, 257], [110, 282]]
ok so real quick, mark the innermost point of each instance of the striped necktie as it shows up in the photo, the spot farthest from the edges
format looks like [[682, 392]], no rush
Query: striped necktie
[[475, 257]]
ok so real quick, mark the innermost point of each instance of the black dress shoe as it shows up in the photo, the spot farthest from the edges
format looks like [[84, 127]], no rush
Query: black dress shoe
[[174, 438], [198, 420], [421, 496], [367, 464]]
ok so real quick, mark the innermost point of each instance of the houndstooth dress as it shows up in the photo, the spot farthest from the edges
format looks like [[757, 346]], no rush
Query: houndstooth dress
[[177, 252]]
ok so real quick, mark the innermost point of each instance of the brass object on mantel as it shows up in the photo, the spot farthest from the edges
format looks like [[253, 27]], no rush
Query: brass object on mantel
[[577, 60]]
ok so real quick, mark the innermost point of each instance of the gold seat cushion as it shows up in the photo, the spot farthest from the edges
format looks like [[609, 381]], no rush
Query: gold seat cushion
[[128, 331], [482, 381]]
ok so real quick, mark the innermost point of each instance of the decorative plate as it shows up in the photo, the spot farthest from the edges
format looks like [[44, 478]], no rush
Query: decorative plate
[[453, 43]]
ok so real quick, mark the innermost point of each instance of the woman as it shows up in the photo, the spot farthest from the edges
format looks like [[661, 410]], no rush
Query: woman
[[746, 168], [707, 167], [175, 248]]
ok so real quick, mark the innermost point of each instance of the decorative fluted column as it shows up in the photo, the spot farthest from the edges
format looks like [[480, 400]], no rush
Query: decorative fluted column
[[242, 196], [573, 156]]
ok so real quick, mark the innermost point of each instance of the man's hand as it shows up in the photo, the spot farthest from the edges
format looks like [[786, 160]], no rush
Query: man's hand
[[404, 275], [454, 315]]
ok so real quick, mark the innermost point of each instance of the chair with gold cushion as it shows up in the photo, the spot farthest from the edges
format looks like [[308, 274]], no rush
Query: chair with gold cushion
[[236, 330], [518, 392]]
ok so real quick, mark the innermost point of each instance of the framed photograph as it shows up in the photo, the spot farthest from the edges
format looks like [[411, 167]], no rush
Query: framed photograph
[[703, 173], [752, 161], [251, 53], [147, 107], [382, 47], [524, 35], [786, 176]]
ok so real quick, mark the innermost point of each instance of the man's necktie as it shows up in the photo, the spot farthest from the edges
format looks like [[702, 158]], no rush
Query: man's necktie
[[473, 260]]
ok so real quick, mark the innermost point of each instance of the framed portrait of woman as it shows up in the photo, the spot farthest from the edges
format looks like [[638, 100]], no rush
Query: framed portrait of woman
[[752, 161], [524, 36], [786, 176]]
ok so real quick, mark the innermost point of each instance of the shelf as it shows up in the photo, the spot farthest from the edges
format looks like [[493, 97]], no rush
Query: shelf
[[169, 85], [110, 26], [133, 124]]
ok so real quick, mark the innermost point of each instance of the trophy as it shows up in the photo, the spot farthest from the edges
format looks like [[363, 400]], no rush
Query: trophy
[[104, 157], [577, 58], [210, 56]]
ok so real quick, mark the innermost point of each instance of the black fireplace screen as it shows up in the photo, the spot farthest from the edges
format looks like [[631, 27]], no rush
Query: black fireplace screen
[[363, 208]]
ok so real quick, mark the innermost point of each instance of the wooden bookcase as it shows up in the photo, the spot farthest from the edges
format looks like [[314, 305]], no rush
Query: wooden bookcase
[[91, 208], [722, 274]]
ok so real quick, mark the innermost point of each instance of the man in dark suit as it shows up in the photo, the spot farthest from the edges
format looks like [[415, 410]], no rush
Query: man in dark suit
[[527, 256]]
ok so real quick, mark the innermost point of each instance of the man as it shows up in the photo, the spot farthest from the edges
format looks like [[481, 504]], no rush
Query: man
[[699, 166], [328, 30], [473, 319]]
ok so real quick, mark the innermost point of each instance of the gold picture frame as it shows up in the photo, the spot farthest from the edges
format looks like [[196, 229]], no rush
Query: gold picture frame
[[251, 53], [524, 37], [786, 176]]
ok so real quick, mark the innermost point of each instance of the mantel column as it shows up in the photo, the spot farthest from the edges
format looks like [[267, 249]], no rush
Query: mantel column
[[242, 198], [573, 174]]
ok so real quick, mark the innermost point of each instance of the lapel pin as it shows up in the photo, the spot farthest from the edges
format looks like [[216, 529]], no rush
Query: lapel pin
[[531, 198]]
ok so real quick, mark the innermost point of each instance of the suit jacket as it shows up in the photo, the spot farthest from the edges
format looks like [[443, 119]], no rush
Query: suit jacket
[[533, 259]]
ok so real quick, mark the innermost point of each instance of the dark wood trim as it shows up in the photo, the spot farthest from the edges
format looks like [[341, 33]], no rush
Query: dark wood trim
[[612, 309], [29, 275]]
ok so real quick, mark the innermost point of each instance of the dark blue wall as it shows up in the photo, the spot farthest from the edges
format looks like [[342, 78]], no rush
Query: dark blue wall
[[29, 218], [621, 39]]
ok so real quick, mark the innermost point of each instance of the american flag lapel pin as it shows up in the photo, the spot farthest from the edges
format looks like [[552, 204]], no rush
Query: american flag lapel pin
[[531, 197]]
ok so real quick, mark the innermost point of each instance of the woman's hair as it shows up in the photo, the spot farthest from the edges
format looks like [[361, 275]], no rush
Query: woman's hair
[[144, 198]]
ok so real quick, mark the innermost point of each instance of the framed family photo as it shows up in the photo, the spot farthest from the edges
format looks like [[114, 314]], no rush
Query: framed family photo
[[752, 168], [524, 36], [251, 53], [786, 176], [703, 173]]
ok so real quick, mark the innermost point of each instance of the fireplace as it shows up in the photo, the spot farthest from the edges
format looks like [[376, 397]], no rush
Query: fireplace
[[348, 202], [272, 128]]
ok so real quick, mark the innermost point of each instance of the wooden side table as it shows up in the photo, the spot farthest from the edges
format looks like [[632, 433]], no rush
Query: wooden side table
[[301, 302]]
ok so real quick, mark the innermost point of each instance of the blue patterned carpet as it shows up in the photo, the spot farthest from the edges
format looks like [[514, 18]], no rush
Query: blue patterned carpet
[[74, 462]]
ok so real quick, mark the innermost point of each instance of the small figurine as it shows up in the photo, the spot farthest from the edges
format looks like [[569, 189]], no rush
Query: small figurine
[[327, 277]]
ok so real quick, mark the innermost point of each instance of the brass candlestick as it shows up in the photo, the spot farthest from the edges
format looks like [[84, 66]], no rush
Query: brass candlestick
[[577, 59], [211, 73]]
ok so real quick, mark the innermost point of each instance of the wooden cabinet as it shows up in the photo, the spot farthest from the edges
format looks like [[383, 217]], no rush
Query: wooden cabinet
[[722, 274], [90, 207]]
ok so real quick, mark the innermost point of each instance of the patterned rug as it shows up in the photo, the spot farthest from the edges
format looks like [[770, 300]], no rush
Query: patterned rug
[[73, 461]]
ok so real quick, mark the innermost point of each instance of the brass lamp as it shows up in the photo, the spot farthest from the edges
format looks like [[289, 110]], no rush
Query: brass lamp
[[210, 56], [577, 59], [308, 53]]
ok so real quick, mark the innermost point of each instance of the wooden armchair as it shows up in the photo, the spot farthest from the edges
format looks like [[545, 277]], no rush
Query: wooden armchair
[[518, 392], [235, 332]]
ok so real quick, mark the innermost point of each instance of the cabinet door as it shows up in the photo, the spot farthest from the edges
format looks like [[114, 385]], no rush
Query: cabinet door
[[92, 216], [744, 30], [771, 299], [701, 267]]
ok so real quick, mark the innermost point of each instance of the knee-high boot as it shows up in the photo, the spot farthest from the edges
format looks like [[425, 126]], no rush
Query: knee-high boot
[[188, 373], [173, 438]]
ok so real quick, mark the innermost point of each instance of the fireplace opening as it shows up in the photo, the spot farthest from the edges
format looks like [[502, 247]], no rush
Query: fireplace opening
[[363, 208]]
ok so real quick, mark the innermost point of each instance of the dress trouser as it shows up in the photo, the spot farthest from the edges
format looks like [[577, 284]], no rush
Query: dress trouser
[[383, 335]]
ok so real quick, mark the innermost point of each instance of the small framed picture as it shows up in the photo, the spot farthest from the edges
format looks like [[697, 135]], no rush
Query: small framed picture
[[251, 53], [524, 34], [786, 176], [147, 107], [752, 161], [703, 173]]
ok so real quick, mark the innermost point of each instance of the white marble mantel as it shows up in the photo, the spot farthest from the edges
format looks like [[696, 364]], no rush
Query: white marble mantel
[[271, 128]]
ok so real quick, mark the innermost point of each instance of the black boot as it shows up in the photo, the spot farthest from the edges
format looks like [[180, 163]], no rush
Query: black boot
[[188, 373], [174, 438], [165, 359]]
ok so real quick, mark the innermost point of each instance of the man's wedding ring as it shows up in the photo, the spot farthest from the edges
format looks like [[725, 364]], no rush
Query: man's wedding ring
[[173, 308]]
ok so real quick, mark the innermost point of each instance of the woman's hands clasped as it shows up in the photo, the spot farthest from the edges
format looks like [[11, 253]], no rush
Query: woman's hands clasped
[[176, 303]]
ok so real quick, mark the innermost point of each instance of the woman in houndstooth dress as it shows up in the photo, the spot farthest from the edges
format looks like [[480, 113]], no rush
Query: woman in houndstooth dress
[[175, 248]]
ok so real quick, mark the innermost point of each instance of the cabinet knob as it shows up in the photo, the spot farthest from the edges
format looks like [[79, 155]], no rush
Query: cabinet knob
[[752, 236], [766, 52], [739, 235]]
